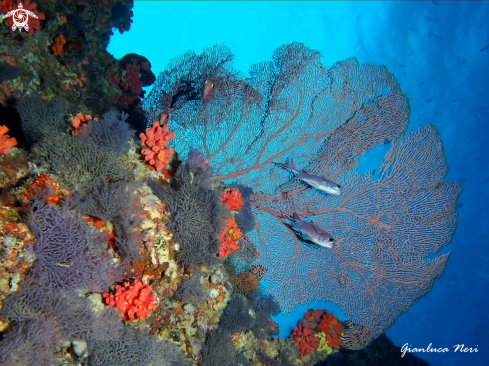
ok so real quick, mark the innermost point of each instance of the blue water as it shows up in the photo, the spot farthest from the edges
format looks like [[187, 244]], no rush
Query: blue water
[[432, 48]]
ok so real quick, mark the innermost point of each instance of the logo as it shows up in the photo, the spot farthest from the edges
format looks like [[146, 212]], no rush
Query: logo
[[20, 16]]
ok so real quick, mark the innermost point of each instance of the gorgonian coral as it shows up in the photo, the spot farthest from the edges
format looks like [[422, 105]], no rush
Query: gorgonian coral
[[390, 225], [69, 254], [197, 212]]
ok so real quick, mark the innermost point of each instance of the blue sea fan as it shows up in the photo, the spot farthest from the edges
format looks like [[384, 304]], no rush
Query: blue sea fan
[[69, 254]]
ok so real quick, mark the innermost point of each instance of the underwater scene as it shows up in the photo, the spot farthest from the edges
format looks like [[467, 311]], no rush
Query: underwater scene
[[244, 183]]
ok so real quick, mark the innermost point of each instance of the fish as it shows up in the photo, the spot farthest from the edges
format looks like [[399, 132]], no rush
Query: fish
[[429, 100], [207, 91], [402, 65], [421, 83], [323, 184], [411, 52], [314, 233], [427, 18], [484, 48], [437, 36], [414, 30]]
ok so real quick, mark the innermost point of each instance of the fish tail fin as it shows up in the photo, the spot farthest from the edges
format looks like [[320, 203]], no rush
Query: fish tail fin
[[291, 165], [282, 165], [296, 217]]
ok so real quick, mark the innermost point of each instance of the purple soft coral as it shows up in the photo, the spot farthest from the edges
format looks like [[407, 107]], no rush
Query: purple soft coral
[[69, 255]]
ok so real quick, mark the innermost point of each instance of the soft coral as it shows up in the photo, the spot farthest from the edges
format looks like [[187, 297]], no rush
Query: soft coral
[[157, 138], [5, 140], [132, 300], [304, 340]]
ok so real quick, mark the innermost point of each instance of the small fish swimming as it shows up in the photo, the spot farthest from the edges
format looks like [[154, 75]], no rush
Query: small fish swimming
[[207, 91], [314, 233], [484, 48], [323, 184]]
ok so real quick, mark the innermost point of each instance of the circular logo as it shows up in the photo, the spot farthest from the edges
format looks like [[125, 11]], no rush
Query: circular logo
[[20, 16]]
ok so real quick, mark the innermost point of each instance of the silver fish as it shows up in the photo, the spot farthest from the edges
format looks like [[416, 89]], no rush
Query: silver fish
[[323, 184], [313, 232]]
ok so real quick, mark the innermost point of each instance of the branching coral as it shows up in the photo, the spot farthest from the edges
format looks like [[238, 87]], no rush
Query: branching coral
[[132, 300]]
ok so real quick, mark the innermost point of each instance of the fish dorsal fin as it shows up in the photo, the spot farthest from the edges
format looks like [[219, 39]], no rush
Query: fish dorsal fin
[[315, 227]]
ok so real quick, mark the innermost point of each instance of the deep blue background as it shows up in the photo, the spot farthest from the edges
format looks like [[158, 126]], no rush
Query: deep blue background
[[433, 50]]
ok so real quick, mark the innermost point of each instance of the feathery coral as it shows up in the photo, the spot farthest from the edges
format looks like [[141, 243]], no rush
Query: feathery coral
[[5, 140], [231, 198], [156, 139], [229, 237], [132, 300]]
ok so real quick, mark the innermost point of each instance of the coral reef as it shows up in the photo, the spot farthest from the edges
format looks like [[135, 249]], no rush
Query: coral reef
[[106, 262], [197, 212]]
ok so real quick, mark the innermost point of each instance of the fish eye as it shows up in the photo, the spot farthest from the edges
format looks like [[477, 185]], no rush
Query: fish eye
[[338, 186], [330, 240]]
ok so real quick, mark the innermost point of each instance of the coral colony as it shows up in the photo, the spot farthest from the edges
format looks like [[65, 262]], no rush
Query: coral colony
[[138, 230]]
